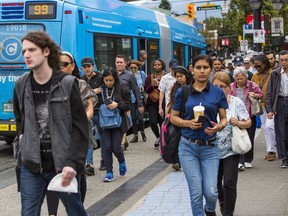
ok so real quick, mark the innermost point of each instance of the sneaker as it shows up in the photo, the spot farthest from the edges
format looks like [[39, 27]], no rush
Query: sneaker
[[266, 156], [247, 165], [271, 156], [102, 165], [89, 170], [284, 163], [122, 168], [241, 167], [176, 166], [108, 177], [156, 143]]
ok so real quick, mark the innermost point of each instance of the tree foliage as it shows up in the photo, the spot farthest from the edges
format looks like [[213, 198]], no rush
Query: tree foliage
[[165, 4], [231, 25]]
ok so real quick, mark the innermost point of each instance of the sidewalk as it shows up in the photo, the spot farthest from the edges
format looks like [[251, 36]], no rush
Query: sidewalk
[[262, 190]]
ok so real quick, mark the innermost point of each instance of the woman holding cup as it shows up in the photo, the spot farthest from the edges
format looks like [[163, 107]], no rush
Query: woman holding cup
[[198, 150]]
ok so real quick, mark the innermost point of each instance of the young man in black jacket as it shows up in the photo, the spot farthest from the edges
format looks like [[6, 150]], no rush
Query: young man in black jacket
[[94, 79], [51, 124]]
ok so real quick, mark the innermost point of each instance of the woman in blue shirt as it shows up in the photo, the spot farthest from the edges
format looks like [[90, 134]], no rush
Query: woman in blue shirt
[[198, 150]]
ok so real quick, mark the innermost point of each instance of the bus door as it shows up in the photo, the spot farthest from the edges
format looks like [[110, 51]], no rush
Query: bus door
[[153, 53]]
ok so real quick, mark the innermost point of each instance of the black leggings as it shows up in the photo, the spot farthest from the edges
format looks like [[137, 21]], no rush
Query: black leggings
[[111, 139], [136, 118], [53, 199], [249, 156], [154, 119], [227, 183]]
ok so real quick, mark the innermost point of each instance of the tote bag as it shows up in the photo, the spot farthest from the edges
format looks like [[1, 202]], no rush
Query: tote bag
[[241, 143], [108, 118], [256, 108]]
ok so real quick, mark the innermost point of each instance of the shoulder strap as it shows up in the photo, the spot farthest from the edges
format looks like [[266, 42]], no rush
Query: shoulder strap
[[250, 86], [185, 95]]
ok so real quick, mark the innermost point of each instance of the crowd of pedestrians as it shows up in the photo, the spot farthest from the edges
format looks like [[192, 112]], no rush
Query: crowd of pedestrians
[[55, 140]]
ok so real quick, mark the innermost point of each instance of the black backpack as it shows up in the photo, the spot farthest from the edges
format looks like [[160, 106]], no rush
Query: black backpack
[[171, 134]]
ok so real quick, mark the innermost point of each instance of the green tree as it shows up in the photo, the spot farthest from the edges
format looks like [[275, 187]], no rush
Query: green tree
[[165, 4], [232, 24]]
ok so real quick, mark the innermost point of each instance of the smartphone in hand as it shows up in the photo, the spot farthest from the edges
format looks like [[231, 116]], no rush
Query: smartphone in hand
[[205, 121]]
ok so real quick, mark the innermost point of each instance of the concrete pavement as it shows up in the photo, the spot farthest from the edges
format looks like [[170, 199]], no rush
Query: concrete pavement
[[152, 188], [262, 190]]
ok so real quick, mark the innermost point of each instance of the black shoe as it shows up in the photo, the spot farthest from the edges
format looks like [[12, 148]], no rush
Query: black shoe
[[157, 142], [221, 204], [125, 146], [102, 165], [284, 163], [135, 139], [209, 213], [144, 138], [89, 170]]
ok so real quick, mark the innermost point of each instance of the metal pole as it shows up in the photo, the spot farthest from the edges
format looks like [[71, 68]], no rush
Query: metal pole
[[244, 40], [257, 25]]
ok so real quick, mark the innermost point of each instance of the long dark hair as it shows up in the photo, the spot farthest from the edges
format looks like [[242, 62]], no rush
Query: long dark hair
[[118, 88], [76, 71], [262, 58], [42, 40], [189, 79], [162, 62]]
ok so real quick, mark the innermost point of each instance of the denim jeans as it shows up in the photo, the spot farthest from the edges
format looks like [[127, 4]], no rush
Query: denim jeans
[[200, 165], [89, 156], [33, 188]]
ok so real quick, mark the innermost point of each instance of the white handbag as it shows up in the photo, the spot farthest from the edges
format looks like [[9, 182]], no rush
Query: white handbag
[[241, 143]]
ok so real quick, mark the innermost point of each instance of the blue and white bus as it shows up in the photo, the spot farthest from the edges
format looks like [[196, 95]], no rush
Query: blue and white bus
[[97, 28]]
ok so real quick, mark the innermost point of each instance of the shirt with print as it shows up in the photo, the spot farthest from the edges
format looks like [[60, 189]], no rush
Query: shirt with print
[[225, 136], [165, 86], [40, 95]]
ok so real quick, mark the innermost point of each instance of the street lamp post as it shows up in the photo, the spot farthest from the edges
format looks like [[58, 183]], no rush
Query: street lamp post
[[256, 6]]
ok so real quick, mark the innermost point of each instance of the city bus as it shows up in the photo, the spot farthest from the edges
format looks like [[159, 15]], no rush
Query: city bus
[[100, 29]]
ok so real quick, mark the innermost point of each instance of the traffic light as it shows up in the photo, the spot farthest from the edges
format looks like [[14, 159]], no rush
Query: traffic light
[[190, 11]]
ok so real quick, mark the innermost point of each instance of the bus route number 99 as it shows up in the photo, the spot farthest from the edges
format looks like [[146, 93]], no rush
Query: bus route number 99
[[41, 10]]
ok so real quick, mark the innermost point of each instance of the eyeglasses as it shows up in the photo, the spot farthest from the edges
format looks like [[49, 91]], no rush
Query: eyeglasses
[[133, 68], [221, 86], [283, 60], [64, 64], [258, 66]]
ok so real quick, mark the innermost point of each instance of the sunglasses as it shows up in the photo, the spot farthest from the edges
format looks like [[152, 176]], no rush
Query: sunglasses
[[258, 66], [64, 64], [133, 68]]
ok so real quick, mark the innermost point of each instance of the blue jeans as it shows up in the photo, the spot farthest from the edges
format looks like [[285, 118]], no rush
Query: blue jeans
[[89, 156], [33, 188], [200, 165]]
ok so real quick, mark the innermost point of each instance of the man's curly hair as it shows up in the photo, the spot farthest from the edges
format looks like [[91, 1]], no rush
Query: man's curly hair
[[43, 40]]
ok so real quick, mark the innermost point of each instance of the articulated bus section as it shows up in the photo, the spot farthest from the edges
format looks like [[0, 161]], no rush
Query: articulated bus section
[[100, 29]]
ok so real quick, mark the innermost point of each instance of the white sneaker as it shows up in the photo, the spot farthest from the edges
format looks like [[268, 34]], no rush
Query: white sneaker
[[247, 165], [241, 167]]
